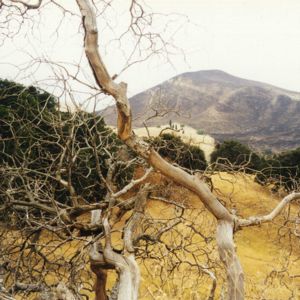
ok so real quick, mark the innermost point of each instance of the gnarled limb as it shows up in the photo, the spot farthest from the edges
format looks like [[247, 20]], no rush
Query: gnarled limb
[[98, 264], [99, 267], [256, 220], [130, 235], [226, 221], [125, 286], [29, 4], [194, 184], [228, 255], [118, 91], [125, 264]]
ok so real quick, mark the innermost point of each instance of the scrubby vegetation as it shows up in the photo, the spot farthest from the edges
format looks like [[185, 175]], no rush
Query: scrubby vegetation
[[237, 155], [280, 170], [185, 155], [52, 155], [47, 153], [40, 143]]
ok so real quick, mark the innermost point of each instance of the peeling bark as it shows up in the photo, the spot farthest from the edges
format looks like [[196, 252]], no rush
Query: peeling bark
[[125, 264], [228, 255], [98, 264], [126, 290], [99, 267], [127, 285], [100, 284]]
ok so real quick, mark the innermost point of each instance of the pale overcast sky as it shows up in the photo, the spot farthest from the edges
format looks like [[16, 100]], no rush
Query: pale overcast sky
[[254, 39]]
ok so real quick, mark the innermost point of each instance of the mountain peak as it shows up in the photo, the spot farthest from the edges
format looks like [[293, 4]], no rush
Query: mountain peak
[[216, 76], [224, 106], [208, 73]]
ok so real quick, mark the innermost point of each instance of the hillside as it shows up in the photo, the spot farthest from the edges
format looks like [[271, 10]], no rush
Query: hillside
[[223, 106], [188, 134], [269, 253], [264, 251]]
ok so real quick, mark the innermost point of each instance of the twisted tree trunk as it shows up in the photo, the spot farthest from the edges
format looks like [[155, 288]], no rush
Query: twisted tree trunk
[[100, 284], [193, 183], [226, 221], [226, 247]]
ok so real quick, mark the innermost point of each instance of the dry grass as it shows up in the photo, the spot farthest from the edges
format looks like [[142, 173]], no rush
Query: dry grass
[[269, 262], [268, 250]]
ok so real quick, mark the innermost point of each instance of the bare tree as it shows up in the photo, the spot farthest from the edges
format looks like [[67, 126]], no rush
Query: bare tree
[[63, 177], [125, 264], [227, 223]]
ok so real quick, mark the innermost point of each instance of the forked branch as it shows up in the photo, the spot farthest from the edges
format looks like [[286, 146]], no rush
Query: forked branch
[[256, 220]]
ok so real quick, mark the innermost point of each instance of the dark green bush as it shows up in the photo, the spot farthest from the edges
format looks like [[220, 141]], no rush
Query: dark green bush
[[236, 155], [37, 141], [173, 148], [282, 170]]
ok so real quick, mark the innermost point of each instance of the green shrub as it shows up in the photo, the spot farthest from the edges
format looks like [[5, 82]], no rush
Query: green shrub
[[236, 155], [37, 141], [282, 170], [173, 148]]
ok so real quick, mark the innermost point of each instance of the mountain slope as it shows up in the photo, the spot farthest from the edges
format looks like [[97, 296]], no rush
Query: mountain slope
[[222, 105]]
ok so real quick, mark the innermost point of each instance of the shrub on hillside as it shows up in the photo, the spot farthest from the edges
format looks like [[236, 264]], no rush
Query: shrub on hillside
[[187, 156], [236, 155], [282, 170], [38, 143]]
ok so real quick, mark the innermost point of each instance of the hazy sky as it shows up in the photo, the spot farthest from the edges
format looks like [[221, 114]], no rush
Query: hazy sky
[[254, 39]]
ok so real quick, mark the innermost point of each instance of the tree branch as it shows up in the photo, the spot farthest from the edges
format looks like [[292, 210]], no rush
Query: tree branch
[[28, 4], [256, 220], [118, 91]]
